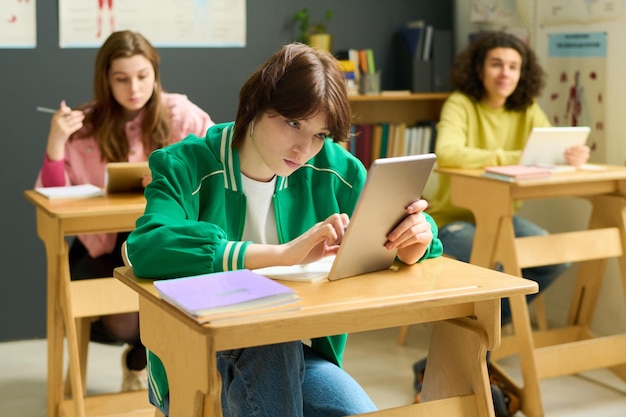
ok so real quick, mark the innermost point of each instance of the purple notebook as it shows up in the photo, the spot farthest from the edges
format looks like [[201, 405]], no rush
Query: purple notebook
[[224, 294]]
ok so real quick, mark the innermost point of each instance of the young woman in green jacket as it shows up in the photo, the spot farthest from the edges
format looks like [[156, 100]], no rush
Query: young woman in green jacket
[[272, 188]]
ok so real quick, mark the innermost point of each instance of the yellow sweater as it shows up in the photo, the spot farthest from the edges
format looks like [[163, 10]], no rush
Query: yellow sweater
[[473, 135]]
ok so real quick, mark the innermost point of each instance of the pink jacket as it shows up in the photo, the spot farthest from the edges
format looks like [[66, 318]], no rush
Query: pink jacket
[[83, 163]]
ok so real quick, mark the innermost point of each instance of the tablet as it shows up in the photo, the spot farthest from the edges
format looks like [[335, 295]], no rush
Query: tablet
[[125, 177], [391, 185], [546, 145]]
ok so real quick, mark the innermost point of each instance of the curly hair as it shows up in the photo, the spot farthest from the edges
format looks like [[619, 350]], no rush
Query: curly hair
[[469, 64]]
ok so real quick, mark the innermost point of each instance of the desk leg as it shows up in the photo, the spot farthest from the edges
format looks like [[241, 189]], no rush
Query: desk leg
[[76, 377], [54, 335], [490, 202], [48, 231], [195, 384], [607, 211], [457, 365], [530, 396]]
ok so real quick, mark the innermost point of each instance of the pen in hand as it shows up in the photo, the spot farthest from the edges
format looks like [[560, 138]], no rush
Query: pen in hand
[[46, 110]]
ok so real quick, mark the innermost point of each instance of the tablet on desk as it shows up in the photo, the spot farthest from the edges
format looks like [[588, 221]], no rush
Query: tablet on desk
[[546, 146], [125, 177], [391, 185]]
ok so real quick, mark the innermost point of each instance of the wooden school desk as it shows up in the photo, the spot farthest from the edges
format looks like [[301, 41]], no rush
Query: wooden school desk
[[57, 219], [463, 299], [573, 348]]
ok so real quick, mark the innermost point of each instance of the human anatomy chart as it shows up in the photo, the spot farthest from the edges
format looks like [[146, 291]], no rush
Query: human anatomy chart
[[166, 23], [576, 87]]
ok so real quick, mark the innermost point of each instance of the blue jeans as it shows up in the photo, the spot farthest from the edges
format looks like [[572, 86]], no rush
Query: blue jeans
[[457, 239], [285, 379]]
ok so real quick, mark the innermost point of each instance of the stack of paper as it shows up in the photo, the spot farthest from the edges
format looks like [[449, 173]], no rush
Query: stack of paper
[[311, 272], [71, 191], [224, 295]]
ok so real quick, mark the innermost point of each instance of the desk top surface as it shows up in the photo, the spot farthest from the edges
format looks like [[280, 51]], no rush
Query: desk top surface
[[433, 283], [87, 207], [602, 173]]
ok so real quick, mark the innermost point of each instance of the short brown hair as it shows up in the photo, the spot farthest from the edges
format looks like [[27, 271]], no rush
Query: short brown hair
[[297, 82]]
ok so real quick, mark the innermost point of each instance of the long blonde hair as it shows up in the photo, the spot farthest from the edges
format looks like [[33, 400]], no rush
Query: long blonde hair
[[104, 115]]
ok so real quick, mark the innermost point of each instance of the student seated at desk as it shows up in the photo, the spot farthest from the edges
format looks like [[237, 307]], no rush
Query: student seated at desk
[[129, 117], [272, 188], [486, 121]]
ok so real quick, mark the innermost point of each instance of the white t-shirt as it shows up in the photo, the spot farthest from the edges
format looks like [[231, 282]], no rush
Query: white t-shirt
[[260, 225]]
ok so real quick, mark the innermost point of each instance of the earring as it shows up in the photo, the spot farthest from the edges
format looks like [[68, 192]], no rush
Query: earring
[[251, 128]]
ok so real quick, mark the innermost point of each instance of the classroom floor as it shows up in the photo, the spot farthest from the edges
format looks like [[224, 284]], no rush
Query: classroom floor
[[373, 358]]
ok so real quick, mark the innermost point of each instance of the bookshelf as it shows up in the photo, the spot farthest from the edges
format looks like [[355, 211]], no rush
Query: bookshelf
[[408, 108], [394, 124]]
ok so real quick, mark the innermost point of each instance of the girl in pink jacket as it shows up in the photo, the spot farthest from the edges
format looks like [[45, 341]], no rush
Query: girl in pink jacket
[[129, 117]]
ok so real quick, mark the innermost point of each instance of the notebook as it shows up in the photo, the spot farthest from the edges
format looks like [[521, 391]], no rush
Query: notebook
[[546, 146], [222, 295], [125, 177], [516, 172], [392, 183]]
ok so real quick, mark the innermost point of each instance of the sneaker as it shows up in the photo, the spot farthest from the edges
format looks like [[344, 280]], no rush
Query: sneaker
[[133, 380], [506, 401], [418, 369]]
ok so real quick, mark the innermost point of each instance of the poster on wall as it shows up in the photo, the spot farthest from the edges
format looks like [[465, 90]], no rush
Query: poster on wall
[[493, 11], [504, 15], [564, 12], [165, 23], [18, 27], [576, 83]]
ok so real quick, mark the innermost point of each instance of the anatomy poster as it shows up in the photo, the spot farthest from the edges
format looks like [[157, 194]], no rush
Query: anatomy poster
[[576, 84], [18, 24], [165, 23]]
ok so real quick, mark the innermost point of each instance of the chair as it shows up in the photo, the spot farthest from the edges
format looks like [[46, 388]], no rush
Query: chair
[[86, 299], [157, 412]]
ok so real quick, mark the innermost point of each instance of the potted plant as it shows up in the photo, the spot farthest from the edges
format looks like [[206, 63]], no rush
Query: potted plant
[[314, 33]]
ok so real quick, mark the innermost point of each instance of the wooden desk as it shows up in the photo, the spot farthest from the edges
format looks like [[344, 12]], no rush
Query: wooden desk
[[574, 348], [57, 219], [463, 299]]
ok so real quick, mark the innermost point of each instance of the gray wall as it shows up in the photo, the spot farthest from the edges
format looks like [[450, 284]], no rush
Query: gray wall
[[210, 77]]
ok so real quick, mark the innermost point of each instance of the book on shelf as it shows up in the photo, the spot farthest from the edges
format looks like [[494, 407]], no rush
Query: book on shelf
[[399, 140], [381, 140], [376, 142], [71, 191], [516, 172], [384, 140], [223, 295], [428, 41], [412, 35], [423, 57], [429, 133]]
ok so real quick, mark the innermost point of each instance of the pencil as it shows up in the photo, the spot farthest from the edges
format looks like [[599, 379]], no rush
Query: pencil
[[46, 110]]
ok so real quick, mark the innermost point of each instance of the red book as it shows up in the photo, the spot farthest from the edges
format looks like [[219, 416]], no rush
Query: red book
[[516, 172]]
